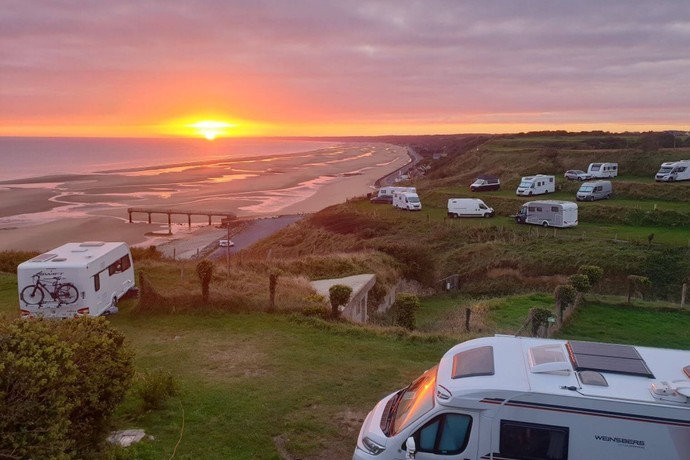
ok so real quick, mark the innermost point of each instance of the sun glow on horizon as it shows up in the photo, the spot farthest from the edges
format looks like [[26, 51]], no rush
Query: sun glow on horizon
[[211, 129]]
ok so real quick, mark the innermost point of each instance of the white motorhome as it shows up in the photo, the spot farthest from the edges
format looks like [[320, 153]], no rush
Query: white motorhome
[[595, 190], [408, 201], [536, 185], [603, 170], [548, 213], [672, 171], [468, 207], [516, 398], [75, 279], [390, 190]]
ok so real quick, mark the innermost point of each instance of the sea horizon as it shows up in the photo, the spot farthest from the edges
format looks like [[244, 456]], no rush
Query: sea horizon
[[24, 157]]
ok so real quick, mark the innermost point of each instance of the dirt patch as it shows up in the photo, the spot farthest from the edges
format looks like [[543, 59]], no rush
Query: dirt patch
[[231, 360]]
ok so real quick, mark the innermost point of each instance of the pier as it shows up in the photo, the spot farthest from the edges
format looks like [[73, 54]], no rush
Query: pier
[[225, 216]]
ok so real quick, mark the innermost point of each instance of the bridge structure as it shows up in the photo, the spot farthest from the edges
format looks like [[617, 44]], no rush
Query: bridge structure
[[225, 216]]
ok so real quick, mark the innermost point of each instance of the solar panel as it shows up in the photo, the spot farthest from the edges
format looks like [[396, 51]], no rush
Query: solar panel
[[604, 357], [43, 257]]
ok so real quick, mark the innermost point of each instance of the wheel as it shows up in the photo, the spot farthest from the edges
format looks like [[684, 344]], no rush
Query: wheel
[[545, 224], [487, 215], [670, 179], [32, 295], [530, 193], [579, 179], [518, 220], [608, 196], [67, 293]]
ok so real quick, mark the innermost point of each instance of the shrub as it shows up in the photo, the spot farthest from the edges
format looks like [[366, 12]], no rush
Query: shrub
[[59, 384], [10, 259], [593, 272], [405, 307], [539, 317], [149, 253], [339, 294], [204, 269], [155, 388], [417, 262], [579, 282], [565, 295]]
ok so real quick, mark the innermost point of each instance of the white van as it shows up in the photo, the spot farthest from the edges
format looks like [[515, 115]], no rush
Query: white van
[[548, 213], [468, 207], [407, 200], [536, 185], [603, 170], [511, 398], [672, 171], [75, 279], [595, 190]]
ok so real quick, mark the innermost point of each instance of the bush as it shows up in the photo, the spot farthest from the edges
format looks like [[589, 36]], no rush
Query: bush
[[155, 388], [339, 294], [204, 269], [565, 294], [10, 259], [405, 308], [579, 282], [149, 253], [592, 272], [59, 384]]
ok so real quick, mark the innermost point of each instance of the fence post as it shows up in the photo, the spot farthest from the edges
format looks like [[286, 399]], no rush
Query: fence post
[[683, 291], [468, 313]]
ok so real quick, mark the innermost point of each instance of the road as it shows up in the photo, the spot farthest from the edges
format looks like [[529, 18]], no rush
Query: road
[[390, 179], [256, 230]]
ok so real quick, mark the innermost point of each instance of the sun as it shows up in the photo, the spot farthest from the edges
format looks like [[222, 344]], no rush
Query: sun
[[211, 129]]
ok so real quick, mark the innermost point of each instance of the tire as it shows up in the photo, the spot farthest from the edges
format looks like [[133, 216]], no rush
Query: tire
[[671, 179], [579, 179], [487, 215], [67, 294], [545, 224], [32, 295], [529, 194], [518, 220]]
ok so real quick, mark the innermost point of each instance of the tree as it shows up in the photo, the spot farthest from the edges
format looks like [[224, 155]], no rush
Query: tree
[[539, 317], [405, 307], [204, 269], [637, 284], [339, 295], [565, 294], [580, 282]]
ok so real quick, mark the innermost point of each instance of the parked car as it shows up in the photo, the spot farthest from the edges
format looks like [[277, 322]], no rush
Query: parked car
[[576, 174], [486, 183], [226, 243], [382, 199]]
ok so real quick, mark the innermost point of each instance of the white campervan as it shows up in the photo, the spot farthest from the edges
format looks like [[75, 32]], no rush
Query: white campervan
[[536, 185], [468, 207], [548, 213], [390, 190], [516, 398], [603, 170], [75, 279], [408, 201], [672, 171]]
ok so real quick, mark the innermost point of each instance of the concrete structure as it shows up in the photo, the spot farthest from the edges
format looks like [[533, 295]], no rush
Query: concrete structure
[[356, 309]]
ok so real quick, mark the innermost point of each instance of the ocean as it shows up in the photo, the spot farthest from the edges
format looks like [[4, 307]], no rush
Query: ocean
[[25, 157]]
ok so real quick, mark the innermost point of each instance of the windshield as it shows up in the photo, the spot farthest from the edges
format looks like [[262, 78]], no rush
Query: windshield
[[414, 401], [665, 169], [413, 199], [525, 184], [587, 188]]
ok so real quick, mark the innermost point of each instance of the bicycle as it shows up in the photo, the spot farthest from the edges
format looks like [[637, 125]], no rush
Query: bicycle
[[62, 293]]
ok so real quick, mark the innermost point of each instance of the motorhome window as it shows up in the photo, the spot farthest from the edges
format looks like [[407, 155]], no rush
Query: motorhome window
[[681, 169], [531, 441], [126, 262], [97, 282], [119, 265], [538, 208], [481, 206], [414, 401], [550, 179], [447, 434], [473, 363], [595, 167], [599, 188], [554, 208], [531, 208]]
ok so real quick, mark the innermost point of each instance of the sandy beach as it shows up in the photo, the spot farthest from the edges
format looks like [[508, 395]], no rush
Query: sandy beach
[[42, 213]]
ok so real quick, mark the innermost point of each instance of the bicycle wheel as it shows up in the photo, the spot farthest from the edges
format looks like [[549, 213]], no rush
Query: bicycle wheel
[[32, 295], [67, 293]]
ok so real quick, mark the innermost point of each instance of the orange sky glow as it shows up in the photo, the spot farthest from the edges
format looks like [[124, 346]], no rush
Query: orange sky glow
[[125, 69]]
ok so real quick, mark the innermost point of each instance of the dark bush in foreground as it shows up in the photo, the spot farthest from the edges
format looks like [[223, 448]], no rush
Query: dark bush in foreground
[[59, 384]]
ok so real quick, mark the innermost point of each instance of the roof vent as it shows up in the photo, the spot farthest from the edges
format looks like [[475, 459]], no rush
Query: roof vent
[[91, 244], [548, 358], [473, 362], [59, 259], [686, 369], [592, 378], [671, 391], [43, 257]]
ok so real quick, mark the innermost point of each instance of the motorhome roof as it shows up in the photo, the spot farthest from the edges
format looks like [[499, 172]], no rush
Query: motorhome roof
[[545, 366], [551, 203], [72, 254]]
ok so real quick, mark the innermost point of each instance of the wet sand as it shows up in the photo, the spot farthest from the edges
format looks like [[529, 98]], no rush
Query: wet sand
[[39, 214]]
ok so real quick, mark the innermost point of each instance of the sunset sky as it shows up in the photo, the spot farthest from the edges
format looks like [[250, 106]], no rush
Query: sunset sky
[[342, 67]]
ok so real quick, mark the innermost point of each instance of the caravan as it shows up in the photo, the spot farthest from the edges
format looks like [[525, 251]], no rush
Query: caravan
[[76, 279], [672, 171], [548, 213], [512, 398], [536, 185], [603, 170]]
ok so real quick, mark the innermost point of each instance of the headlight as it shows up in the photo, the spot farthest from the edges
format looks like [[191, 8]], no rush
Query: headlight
[[372, 447]]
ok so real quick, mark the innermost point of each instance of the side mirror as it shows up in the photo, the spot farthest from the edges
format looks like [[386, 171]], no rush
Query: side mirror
[[411, 448]]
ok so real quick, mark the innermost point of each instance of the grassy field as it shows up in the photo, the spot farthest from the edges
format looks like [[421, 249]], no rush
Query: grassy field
[[258, 386]]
